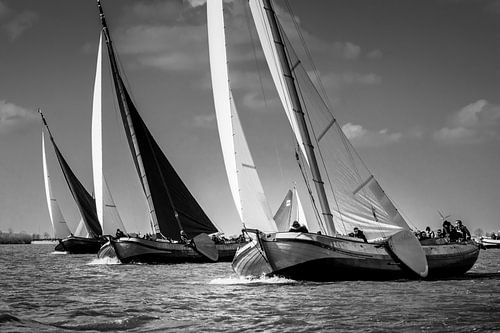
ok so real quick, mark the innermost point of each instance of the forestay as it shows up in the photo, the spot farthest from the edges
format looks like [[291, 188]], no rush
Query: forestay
[[246, 187]]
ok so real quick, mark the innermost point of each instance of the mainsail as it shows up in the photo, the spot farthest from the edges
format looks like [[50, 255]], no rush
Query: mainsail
[[107, 212], [246, 188], [59, 225], [172, 207], [355, 197]]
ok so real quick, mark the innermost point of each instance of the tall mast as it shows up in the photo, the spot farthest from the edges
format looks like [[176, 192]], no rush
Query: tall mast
[[299, 116], [124, 106]]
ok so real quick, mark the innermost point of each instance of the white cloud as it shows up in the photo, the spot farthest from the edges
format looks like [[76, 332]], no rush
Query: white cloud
[[335, 81], [16, 23], [362, 137], [13, 116], [204, 121], [374, 54], [346, 50], [476, 122], [166, 47]]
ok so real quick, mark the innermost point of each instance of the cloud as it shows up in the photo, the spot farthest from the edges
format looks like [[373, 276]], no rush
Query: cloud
[[374, 54], [336, 81], [362, 137], [476, 122], [171, 48], [16, 23], [346, 50], [204, 121], [13, 117]]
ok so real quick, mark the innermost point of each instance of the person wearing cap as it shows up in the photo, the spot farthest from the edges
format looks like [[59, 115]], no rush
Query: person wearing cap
[[297, 227], [359, 234], [465, 233]]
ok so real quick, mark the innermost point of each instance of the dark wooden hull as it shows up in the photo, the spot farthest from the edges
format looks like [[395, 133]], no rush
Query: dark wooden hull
[[138, 250], [323, 258], [80, 245]]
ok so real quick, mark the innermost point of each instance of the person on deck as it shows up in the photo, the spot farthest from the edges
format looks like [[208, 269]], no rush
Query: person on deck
[[297, 227], [359, 234], [454, 234], [429, 232], [465, 233], [446, 229], [119, 233]]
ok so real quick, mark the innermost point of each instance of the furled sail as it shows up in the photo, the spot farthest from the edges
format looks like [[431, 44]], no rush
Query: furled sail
[[246, 188], [83, 199], [172, 207], [106, 209], [59, 225]]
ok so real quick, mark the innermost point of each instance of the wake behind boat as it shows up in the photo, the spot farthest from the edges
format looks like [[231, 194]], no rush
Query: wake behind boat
[[353, 199]]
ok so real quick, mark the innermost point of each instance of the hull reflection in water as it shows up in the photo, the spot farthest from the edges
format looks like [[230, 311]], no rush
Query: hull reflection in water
[[304, 256], [80, 245], [139, 250]]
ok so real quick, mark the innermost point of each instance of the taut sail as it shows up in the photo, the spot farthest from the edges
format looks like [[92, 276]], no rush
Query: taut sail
[[172, 207], [107, 212], [59, 225], [84, 201], [247, 190]]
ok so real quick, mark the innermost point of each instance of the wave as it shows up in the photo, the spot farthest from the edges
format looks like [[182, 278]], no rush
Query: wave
[[105, 261], [59, 252], [247, 280]]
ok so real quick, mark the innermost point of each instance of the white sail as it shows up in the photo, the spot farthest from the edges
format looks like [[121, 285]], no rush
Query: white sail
[[299, 210], [59, 225], [244, 181], [81, 230], [108, 215], [259, 15]]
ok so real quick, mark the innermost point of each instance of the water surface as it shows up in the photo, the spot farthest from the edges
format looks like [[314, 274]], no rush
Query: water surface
[[46, 292]]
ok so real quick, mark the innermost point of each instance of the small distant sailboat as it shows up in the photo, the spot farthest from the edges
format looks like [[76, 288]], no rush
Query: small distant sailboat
[[181, 227], [86, 205], [358, 200], [59, 225]]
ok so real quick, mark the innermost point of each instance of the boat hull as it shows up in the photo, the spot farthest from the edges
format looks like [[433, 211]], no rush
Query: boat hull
[[80, 245], [490, 243], [303, 256], [106, 251], [138, 250]]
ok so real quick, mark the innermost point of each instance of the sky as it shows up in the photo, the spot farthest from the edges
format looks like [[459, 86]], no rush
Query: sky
[[415, 85]]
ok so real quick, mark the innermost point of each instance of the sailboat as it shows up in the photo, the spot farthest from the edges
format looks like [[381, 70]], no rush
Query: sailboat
[[59, 226], [181, 227], [357, 199], [86, 206]]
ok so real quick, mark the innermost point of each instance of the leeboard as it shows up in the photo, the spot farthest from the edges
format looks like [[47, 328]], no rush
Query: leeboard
[[406, 247], [204, 245]]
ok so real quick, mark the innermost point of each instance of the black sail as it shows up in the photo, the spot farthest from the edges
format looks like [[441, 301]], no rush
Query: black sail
[[173, 207], [168, 192], [84, 201]]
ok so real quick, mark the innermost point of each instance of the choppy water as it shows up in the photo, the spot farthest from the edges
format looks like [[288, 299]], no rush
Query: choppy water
[[45, 292]]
